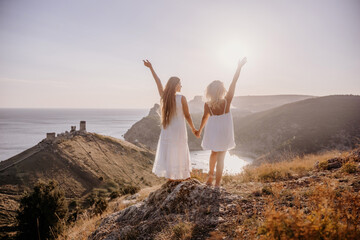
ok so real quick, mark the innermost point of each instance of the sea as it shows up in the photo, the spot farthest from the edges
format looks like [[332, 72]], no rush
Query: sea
[[21, 129]]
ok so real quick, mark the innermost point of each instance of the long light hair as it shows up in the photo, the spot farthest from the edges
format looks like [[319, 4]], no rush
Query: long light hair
[[168, 102], [215, 91]]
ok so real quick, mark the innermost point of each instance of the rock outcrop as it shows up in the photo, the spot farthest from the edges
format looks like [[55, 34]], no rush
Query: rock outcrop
[[146, 132], [188, 201]]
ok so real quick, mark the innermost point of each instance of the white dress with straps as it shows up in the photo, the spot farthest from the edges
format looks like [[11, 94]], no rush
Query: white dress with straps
[[172, 158], [219, 132]]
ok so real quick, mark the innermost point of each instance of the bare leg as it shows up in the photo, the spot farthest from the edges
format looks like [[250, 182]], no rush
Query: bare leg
[[219, 167], [212, 162]]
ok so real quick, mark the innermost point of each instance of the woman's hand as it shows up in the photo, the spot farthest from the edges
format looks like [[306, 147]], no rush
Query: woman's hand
[[197, 133], [147, 63], [155, 76], [230, 94], [242, 62], [194, 131]]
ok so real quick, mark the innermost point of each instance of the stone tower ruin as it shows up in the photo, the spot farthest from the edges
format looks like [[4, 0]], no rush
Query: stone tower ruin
[[73, 129], [50, 136], [82, 126]]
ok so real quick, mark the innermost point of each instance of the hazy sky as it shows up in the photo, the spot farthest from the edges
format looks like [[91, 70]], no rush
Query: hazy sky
[[89, 53]]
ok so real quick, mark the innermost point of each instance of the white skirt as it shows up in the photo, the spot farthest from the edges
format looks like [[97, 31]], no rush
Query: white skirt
[[219, 133]]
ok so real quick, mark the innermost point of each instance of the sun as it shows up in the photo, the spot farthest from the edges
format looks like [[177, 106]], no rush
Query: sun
[[231, 52]]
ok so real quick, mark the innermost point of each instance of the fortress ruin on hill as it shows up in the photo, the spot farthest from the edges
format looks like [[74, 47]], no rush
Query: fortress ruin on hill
[[53, 137]]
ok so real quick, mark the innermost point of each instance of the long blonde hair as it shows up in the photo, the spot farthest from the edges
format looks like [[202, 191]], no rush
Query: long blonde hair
[[168, 102], [215, 91]]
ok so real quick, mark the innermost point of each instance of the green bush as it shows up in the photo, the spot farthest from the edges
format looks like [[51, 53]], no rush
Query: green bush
[[41, 212]]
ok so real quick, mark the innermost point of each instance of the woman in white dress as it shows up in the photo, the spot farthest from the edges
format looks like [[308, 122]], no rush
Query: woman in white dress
[[219, 128], [172, 158]]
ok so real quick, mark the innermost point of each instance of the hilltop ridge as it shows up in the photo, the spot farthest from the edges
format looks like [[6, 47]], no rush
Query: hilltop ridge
[[80, 162]]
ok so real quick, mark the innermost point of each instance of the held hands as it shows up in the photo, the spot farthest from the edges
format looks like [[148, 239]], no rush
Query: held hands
[[197, 133], [242, 62], [147, 63]]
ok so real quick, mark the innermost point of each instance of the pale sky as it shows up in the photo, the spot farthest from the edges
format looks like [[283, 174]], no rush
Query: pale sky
[[88, 54]]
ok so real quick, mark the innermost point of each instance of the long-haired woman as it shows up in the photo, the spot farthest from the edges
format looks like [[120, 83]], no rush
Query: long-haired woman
[[172, 158], [219, 128]]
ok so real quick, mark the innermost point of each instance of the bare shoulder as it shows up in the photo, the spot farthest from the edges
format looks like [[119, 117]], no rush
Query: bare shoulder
[[183, 98], [206, 106]]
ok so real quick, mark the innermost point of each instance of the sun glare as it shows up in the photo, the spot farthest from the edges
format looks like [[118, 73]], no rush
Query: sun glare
[[230, 53]]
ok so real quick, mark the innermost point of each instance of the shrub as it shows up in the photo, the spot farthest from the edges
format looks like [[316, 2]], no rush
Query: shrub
[[270, 176], [323, 165], [95, 194], [41, 212], [110, 185], [73, 205], [100, 205], [349, 167], [114, 194], [129, 189]]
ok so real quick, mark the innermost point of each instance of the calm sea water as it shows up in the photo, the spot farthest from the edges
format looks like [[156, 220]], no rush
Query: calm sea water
[[21, 129]]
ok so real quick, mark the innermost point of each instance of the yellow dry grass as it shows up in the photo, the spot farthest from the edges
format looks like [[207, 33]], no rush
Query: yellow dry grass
[[296, 167], [88, 223]]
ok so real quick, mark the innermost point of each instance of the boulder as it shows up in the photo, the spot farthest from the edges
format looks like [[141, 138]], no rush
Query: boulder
[[187, 201]]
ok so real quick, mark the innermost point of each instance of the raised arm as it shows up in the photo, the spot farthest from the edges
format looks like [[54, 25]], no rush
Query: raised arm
[[230, 94], [157, 79], [187, 113], [203, 120]]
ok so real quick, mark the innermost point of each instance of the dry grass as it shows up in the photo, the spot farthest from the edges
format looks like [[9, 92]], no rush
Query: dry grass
[[199, 174], [327, 213], [179, 231], [296, 167], [87, 223], [323, 209]]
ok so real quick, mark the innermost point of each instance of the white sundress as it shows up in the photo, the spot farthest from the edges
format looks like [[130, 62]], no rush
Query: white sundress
[[219, 132], [172, 158]]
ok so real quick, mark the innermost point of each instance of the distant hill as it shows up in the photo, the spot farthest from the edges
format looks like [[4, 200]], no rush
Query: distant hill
[[305, 126], [146, 132], [308, 126], [251, 104], [80, 164]]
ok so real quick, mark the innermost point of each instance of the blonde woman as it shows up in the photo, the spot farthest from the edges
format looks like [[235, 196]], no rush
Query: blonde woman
[[172, 159], [219, 128]]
